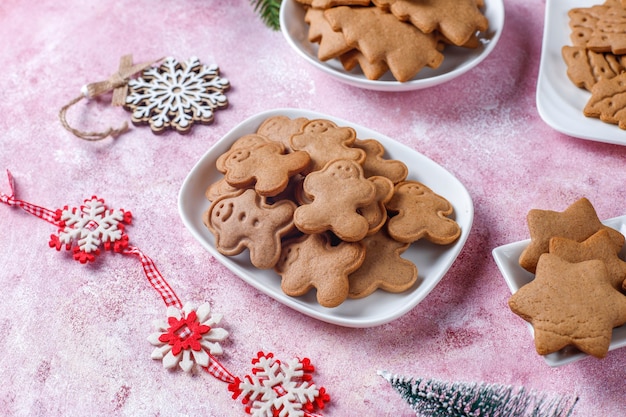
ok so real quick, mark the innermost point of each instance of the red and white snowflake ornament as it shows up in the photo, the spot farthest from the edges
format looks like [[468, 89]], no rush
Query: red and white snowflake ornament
[[188, 337], [84, 230], [280, 389]]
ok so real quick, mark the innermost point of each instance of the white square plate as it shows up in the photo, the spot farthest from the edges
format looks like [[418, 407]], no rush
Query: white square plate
[[456, 60], [559, 102], [507, 257], [381, 307]]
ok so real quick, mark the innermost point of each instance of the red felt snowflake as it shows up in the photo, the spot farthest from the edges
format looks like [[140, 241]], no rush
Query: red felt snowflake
[[84, 230], [278, 388]]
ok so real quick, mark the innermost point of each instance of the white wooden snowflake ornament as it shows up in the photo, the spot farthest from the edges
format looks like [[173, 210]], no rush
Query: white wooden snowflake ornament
[[176, 95]]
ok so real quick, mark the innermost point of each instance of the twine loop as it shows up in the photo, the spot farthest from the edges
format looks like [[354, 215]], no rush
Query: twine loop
[[118, 83]]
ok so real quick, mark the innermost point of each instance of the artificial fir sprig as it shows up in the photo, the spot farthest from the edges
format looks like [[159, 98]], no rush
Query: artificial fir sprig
[[434, 398], [269, 11]]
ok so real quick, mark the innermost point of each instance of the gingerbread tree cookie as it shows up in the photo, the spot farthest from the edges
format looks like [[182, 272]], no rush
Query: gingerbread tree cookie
[[380, 36], [457, 20]]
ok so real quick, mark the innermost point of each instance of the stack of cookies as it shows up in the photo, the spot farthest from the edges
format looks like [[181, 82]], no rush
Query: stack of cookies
[[400, 36], [596, 60], [577, 297], [324, 209]]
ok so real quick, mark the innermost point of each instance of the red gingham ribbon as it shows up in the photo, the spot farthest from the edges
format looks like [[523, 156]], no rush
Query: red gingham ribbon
[[155, 278], [41, 212], [218, 370]]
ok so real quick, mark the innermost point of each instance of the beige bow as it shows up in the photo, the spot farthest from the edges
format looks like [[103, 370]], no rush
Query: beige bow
[[118, 83]]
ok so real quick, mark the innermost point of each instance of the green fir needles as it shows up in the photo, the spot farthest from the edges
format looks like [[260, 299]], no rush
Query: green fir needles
[[433, 398], [269, 11]]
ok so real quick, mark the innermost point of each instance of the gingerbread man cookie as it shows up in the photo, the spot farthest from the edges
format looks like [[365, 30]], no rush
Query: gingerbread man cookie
[[421, 214], [376, 164], [244, 221], [376, 212], [325, 141], [312, 262], [337, 192], [281, 128], [265, 166], [383, 268]]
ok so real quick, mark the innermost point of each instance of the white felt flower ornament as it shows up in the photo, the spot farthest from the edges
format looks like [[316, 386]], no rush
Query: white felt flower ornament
[[188, 337]]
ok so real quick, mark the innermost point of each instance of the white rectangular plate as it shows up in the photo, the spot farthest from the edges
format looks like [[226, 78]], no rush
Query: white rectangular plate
[[381, 307], [559, 102], [507, 259]]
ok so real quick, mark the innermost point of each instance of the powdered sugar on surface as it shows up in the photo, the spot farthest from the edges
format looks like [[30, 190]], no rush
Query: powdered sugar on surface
[[74, 336]]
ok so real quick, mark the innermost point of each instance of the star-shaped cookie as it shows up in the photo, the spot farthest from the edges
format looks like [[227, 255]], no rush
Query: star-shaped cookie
[[577, 222], [598, 246], [570, 304]]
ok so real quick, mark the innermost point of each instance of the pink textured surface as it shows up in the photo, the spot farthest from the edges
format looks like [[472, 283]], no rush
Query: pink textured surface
[[74, 337]]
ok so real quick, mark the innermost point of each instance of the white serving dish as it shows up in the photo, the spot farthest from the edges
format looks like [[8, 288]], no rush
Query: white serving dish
[[457, 60], [381, 307], [559, 102], [507, 259]]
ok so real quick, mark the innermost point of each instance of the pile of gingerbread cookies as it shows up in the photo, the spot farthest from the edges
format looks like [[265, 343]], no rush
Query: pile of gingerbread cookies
[[325, 209], [400, 36], [596, 60], [578, 295]]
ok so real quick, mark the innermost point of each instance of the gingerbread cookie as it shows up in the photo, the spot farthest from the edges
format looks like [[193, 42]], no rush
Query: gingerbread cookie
[[598, 246], [578, 222], [312, 262], [608, 101], [264, 165], [420, 213], [381, 37], [281, 128], [332, 44], [376, 212], [376, 164], [325, 4], [599, 28], [383, 268], [337, 193], [457, 20], [585, 67], [245, 220], [324, 141], [220, 188], [355, 59], [570, 304]]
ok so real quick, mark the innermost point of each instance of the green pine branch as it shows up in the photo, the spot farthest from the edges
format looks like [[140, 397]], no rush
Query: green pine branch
[[269, 11]]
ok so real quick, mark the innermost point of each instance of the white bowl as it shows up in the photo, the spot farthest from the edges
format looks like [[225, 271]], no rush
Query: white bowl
[[456, 61], [507, 259], [381, 307]]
